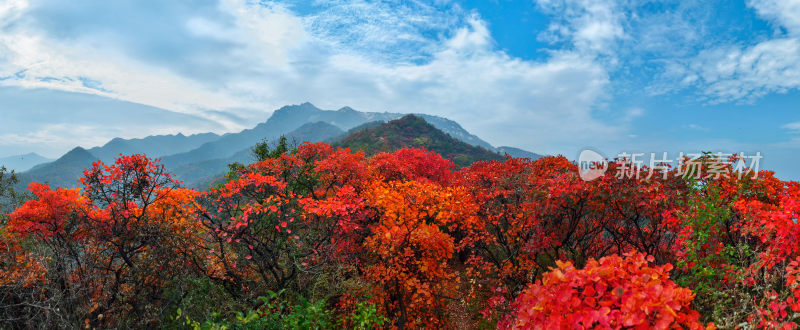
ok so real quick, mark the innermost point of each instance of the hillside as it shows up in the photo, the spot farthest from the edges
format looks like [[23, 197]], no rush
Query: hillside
[[314, 132], [412, 131], [364, 126], [63, 172]]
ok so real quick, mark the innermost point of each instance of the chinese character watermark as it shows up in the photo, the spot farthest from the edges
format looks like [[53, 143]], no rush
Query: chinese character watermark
[[697, 166]]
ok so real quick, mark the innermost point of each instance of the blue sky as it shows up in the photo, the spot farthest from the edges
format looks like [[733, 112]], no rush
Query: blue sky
[[548, 76]]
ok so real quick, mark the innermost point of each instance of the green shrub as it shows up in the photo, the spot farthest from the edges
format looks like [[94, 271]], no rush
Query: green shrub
[[274, 312]]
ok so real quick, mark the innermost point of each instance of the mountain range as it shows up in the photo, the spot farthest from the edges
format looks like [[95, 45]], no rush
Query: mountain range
[[154, 146], [198, 159]]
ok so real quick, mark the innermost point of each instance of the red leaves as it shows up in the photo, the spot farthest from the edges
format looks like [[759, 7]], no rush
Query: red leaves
[[96, 245], [774, 225], [410, 232], [412, 164], [534, 211], [413, 250], [611, 293], [46, 215], [342, 168], [136, 172]]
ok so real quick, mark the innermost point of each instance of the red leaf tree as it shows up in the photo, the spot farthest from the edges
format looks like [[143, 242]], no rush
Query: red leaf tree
[[614, 292], [111, 248]]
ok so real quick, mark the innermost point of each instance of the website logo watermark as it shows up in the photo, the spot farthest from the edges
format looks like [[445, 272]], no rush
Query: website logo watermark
[[705, 166], [591, 165]]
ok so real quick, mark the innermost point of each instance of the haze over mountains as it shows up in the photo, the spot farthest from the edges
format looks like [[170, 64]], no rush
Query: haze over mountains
[[198, 159], [154, 146], [24, 162]]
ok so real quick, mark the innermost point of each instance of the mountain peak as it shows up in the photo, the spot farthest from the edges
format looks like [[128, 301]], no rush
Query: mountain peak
[[346, 109], [301, 106], [114, 141], [289, 110], [78, 149], [77, 152], [412, 131]]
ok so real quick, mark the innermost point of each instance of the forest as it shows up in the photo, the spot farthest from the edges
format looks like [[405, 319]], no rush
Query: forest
[[314, 237]]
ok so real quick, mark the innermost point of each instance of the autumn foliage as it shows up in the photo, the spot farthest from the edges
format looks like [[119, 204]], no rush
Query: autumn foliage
[[612, 292], [317, 237], [85, 254]]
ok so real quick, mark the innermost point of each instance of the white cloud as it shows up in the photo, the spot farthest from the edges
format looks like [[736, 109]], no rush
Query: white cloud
[[371, 56], [544, 106], [11, 10], [785, 13], [32, 61], [795, 126], [733, 73], [696, 127], [744, 73], [590, 25], [386, 31], [476, 36]]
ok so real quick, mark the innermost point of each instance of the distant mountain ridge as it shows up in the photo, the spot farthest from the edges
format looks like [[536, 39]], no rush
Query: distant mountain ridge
[[21, 163], [518, 153], [196, 159], [153, 146]]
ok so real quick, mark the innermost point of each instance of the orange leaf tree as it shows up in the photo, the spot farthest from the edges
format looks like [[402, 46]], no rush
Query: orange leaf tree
[[412, 249]]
